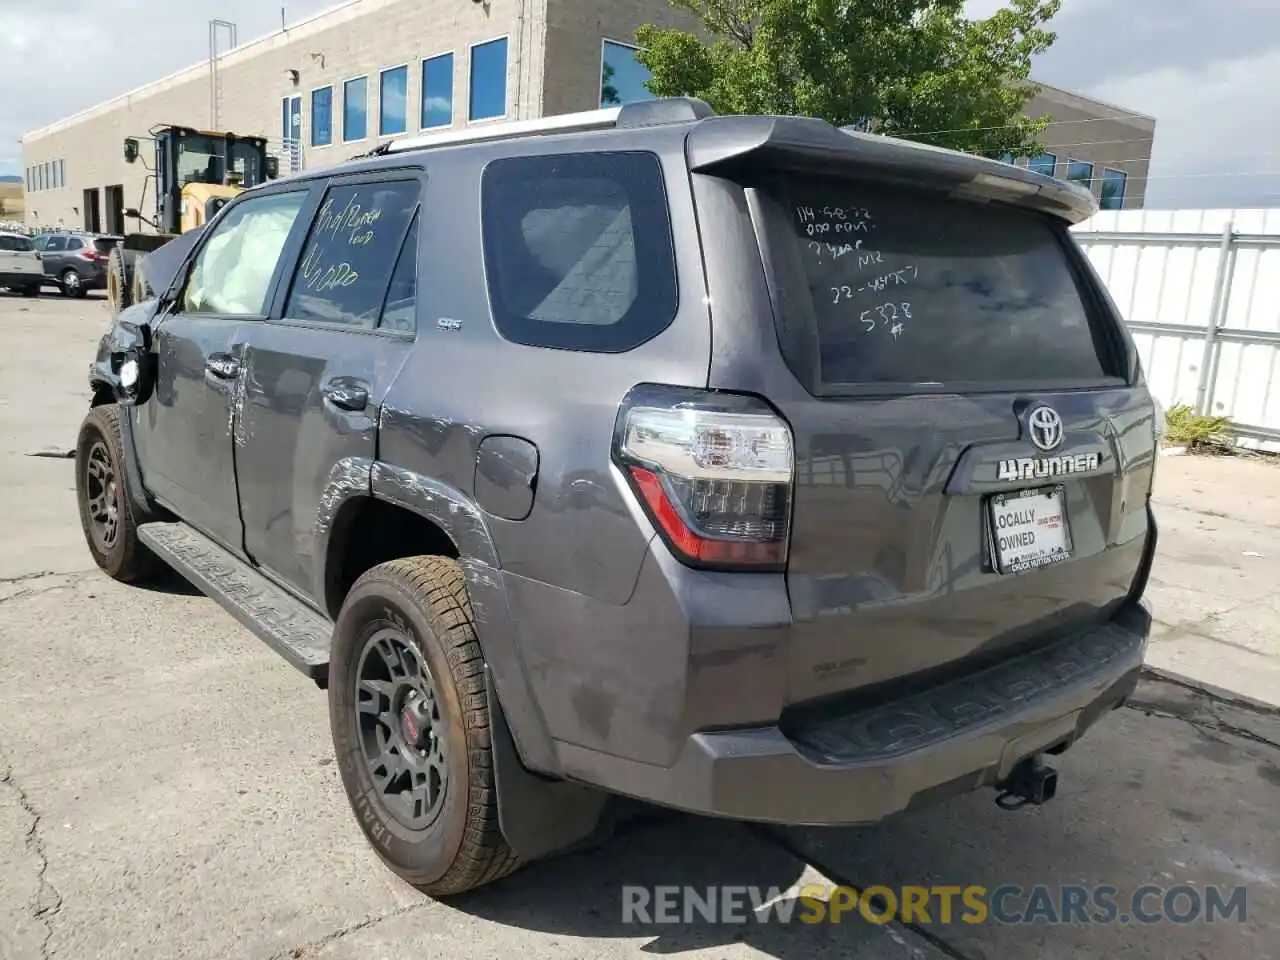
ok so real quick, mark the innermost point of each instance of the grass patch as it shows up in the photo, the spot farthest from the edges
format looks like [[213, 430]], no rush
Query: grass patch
[[1199, 434]]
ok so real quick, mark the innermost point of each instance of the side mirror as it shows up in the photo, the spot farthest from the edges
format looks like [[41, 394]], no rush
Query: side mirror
[[272, 167], [130, 149]]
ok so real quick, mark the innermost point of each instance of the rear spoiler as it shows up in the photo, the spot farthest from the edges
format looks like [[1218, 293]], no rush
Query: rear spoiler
[[721, 145]]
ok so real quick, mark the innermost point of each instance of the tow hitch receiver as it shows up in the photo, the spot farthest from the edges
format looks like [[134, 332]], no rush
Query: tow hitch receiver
[[1031, 781]]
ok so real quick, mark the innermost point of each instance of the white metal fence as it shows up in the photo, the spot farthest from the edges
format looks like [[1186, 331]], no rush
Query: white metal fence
[[1200, 290]]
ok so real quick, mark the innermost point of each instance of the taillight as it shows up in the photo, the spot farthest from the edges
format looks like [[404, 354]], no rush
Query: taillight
[[713, 471], [94, 255]]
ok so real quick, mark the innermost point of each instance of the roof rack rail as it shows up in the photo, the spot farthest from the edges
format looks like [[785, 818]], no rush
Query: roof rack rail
[[647, 113]]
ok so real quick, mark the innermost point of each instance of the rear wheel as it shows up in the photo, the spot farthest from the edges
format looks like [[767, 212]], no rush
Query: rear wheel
[[105, 514], [71, 284], [410, 723]]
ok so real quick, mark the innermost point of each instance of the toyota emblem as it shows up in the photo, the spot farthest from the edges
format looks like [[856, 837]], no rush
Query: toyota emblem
[[1045, 427]]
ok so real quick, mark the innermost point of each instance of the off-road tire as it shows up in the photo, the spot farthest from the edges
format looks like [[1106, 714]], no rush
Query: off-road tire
[[125, 558], [425, 600], [119, 282]]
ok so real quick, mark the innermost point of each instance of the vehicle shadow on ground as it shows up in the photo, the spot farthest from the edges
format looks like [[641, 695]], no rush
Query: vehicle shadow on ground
[[585, 894], [1145, 800], [169, 582]]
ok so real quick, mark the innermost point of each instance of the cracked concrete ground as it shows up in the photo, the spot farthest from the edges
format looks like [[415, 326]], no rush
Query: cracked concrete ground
[[167, 786]]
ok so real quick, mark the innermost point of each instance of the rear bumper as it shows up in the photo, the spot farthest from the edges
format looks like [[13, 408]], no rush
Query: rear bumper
[[859, 768]]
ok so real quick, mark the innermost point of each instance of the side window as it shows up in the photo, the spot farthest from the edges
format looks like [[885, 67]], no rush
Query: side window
[[75, 243], [578, 250], [351, 252], [56, 244], [232, 272], [400, 311]]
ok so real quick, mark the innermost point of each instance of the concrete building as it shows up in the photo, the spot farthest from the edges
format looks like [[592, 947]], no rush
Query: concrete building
[[335, 85]]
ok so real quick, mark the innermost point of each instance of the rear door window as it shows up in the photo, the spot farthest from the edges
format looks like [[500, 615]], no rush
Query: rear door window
[[578, 250], [911, 289], [351, 252]]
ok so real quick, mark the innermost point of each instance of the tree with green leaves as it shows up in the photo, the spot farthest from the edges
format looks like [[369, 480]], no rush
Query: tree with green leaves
[[914, 68]]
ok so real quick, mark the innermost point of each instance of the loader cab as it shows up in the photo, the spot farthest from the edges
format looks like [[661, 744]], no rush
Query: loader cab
[[198, 171]]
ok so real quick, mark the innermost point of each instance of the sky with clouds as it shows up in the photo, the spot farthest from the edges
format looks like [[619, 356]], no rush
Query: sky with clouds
[[1204, 68]]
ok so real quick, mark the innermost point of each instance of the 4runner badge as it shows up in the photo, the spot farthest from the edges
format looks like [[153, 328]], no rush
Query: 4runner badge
[[1038, 468]]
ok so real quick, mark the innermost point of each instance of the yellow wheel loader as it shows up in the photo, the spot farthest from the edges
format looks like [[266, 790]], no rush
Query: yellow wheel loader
[[196, 173]]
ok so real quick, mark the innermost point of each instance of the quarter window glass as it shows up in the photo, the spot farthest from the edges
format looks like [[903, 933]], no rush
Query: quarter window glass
[[233, 270], [578, 250], [75, 243], [351, 252]]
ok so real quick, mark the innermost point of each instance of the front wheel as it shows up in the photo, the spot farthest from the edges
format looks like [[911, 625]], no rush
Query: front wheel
[[105, 514], [119, 278], [410, 723]]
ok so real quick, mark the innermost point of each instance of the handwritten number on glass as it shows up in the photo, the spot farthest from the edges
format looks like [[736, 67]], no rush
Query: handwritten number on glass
[[891, 315]]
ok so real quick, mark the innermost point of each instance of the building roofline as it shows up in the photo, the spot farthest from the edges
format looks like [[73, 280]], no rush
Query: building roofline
[[1122, 113], [333, 16], [316, 23]]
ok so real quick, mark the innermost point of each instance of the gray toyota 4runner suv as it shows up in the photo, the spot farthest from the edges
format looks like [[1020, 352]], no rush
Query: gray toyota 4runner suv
[[743, 465]]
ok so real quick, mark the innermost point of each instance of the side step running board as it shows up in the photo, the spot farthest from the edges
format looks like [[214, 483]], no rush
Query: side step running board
[[274, 615]]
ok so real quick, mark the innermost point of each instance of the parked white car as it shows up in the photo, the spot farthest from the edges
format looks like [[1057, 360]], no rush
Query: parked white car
[[21, 269]]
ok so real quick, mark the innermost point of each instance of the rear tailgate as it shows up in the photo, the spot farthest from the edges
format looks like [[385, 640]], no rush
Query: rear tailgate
[[974, 445], [18, 255]]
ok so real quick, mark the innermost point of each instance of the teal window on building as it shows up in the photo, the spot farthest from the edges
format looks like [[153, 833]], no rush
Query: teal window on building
[[1113, 183], [437, 91], [622, 76], [355, 109]]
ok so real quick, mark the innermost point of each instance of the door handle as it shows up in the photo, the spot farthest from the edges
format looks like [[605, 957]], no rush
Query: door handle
[[346, 394], [223, 366]]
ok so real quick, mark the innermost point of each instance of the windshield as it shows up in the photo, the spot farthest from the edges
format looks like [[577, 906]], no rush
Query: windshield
[[201, 159], [905, 288]]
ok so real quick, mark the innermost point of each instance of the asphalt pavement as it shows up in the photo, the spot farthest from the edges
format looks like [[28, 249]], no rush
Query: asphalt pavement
[[167, 786]]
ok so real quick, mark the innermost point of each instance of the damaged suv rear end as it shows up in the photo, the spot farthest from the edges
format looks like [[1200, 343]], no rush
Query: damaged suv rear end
[[908, 525]]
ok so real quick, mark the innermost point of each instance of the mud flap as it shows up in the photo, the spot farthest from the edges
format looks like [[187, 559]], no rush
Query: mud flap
[[539, 816]]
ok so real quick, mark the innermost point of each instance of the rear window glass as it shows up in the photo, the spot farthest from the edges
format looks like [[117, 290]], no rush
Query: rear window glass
[[908, 288], [578, 250], [9, 241], [105, 244]]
